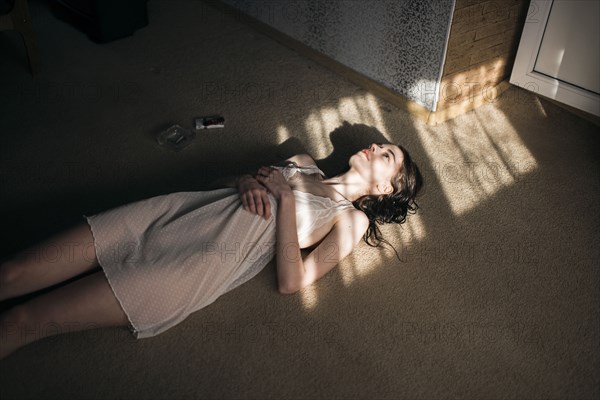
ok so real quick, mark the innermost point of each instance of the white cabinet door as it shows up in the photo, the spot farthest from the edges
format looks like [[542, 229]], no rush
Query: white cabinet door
[[559, 52]]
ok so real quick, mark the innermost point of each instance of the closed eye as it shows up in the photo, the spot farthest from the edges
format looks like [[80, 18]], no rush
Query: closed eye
[[387, 153], [390, 152]]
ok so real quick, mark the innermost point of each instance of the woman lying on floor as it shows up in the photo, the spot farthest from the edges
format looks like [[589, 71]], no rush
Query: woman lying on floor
[[159, 260]]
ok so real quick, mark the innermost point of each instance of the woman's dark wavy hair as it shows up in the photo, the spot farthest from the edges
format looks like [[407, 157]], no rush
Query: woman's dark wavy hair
[[392, 208]]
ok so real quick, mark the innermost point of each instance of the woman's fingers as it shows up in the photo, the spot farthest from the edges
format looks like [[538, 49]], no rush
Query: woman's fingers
[[273, 180], [268, 181], [265, 170], [265, 178], [267, 204], [257, 202], [263, 204], [268, 174], [250, 202]]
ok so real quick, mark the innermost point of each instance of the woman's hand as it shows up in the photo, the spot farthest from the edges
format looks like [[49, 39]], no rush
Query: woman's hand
[[273, 180], [254, 196]]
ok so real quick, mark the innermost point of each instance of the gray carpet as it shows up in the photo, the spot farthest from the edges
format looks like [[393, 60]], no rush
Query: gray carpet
[[497, 292]]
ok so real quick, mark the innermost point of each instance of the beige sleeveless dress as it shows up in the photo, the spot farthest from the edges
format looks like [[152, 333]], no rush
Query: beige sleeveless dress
[[168, 256]]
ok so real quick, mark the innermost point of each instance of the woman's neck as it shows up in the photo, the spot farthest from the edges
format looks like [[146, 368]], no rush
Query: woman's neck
[[350, 185]]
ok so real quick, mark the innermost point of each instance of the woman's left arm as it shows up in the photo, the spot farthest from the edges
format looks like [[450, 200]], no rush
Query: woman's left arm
[[290, 268], [294, 273]]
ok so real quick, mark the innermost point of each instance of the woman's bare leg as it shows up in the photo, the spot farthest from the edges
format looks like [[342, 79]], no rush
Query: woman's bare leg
[[55, 260], [86, 303]]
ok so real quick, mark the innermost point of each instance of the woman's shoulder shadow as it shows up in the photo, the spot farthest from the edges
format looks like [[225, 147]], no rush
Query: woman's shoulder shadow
[[347, 139]]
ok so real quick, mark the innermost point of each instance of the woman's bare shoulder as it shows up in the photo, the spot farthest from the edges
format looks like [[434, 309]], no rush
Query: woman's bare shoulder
[[355, 218]]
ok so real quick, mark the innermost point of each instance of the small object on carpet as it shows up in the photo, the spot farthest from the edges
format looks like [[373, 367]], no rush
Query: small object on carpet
[[175, 138], [215, 121]]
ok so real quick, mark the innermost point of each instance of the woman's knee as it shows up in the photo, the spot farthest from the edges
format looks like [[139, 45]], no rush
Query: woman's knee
[[10, 271]]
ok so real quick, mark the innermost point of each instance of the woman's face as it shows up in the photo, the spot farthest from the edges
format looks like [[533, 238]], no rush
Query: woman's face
[[378, 163]]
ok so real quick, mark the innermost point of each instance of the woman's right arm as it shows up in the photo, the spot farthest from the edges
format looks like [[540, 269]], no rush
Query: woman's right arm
[[254, 196]]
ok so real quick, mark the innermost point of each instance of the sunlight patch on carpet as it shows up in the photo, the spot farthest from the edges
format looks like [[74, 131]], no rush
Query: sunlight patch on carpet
[[309, 296], [372, 113], [360, 264], [283, 134], [354, 110], [315, 129], [540, 106], [474, 156]]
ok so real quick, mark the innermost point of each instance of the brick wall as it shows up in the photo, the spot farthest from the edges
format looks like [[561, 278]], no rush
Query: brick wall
[[483, 42]]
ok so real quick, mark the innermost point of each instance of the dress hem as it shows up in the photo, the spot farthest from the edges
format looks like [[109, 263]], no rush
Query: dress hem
[[134, 331]]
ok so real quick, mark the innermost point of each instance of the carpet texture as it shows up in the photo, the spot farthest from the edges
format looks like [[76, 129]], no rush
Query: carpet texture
[[495, 294]]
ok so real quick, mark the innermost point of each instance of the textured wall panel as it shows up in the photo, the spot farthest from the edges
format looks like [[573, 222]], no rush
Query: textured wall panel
[[398, 43]]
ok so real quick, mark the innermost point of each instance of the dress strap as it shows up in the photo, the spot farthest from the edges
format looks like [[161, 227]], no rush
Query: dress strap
[[292, 168]]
